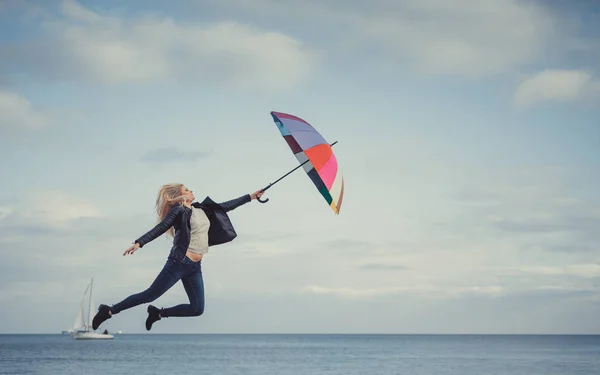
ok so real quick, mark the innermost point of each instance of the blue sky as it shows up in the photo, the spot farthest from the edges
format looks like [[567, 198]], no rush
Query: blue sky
[[468, 137]]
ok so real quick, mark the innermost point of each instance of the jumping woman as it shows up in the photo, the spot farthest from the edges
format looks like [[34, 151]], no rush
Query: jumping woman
[[194, 227]]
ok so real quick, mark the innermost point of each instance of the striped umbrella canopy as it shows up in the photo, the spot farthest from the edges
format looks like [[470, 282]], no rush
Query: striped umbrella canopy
[[315, 155]]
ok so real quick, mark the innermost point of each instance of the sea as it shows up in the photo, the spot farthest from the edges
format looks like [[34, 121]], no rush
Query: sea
[[295, 354]]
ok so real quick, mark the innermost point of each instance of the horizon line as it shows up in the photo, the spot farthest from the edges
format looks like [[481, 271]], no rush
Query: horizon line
[[319, 333]]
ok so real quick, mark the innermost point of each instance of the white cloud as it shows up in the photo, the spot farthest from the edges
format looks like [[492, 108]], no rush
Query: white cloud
[[16, 112], [48, 208], [579, 270], [460, 37], [422, 290], [435, 36], [556, 85], [110, 49]]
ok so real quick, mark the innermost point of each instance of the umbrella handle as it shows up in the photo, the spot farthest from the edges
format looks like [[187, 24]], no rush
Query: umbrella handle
[[276, 181], [263, 190]]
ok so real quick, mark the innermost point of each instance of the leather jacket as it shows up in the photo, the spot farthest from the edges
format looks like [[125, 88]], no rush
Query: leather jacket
[[221, 230]]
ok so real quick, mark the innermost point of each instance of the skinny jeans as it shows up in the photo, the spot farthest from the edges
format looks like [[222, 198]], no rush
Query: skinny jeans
[[190, 274]]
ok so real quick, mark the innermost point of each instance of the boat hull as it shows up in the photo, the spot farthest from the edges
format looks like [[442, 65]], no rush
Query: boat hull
[[91, 336]]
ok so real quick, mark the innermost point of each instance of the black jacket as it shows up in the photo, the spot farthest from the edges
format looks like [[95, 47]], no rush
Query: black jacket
[[221, 230]]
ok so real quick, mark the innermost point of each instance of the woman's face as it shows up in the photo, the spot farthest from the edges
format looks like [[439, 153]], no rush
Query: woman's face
[[187, 193]]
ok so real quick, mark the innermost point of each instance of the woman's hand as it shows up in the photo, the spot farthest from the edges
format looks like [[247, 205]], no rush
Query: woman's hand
[[257, 194], [132, 249]]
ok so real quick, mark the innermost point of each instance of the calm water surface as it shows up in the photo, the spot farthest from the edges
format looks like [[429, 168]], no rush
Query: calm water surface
[[301, 354]]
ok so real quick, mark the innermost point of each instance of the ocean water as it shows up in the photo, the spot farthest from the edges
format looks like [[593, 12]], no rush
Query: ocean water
[[301, 354]]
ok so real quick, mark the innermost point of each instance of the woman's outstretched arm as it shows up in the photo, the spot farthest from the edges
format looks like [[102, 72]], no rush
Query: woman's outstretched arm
[[161, 227], [236, 202]]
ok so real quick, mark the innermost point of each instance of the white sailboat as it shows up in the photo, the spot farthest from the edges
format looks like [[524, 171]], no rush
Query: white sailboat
[[82, 329]]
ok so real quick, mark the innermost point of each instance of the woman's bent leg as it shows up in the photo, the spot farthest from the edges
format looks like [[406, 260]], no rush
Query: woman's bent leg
[[167, 277], [194, 287]]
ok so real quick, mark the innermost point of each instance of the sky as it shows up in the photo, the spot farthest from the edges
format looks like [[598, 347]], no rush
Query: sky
[[468, 136]]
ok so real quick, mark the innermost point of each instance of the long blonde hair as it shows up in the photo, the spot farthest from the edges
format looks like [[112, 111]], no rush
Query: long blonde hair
[[165, 201]]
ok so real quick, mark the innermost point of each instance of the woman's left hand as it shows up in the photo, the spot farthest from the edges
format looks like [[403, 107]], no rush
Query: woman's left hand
[[257, 194], [132, 249]]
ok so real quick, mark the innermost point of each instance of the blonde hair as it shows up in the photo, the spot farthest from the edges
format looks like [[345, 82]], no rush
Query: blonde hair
[[166, 200]]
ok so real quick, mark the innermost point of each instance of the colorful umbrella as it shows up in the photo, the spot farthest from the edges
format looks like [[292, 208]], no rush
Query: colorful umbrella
[[314, 154]]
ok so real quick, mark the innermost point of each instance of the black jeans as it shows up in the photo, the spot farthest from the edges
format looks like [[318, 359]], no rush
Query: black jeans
[[190, 274]]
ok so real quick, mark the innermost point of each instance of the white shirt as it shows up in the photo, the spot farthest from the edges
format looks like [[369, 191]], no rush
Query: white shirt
[[199, 231]]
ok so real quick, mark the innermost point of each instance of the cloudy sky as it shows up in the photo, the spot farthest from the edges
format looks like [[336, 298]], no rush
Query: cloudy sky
[[468, 137]]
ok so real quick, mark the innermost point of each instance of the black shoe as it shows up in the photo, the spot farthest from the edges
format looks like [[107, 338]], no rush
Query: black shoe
[[102, 315], [153, 316]]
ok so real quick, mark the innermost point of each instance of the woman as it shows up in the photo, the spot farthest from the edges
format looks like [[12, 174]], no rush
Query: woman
[[194, 227]]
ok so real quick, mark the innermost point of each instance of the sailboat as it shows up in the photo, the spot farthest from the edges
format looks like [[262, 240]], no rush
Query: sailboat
[[81, 328]]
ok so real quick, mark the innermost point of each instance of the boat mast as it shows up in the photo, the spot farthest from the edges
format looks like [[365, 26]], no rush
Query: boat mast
[[90, 305]]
